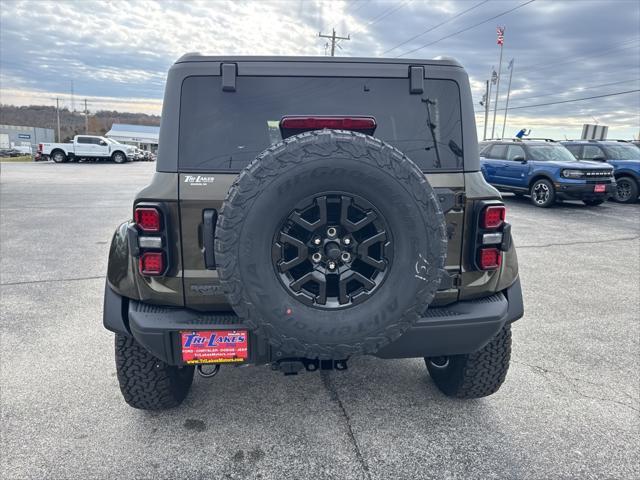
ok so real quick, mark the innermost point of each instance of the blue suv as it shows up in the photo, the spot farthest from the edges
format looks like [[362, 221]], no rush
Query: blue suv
[[622, 155], [545, 170]]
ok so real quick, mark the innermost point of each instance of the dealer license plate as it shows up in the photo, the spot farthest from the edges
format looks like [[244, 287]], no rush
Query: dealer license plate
[[214, 346], [599, 188]]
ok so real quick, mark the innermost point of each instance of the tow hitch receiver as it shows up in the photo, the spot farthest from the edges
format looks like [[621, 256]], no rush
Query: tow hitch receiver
[[291, 366]]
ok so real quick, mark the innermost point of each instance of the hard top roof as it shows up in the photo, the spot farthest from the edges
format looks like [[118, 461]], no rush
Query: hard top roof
[[198, 57], [517, 141], [607, 142]]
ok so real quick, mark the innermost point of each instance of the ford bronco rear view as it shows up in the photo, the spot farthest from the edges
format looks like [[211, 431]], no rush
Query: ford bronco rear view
[[308, 210]]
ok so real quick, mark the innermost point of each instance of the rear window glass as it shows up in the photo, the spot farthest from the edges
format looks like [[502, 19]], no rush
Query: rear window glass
[[225, 131]]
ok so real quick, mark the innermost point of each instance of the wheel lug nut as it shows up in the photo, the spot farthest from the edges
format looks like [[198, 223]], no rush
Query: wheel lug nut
[[346, 241], [345, 257], [316, 257], [331, 265], [317, 241], [331, 232]]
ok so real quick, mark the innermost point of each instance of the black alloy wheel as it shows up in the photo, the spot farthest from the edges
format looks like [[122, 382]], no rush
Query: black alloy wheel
[[333, 250]]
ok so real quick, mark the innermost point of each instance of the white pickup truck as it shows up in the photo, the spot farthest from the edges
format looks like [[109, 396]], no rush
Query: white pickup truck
[[88, 147]]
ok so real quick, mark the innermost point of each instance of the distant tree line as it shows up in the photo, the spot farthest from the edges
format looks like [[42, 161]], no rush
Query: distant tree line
[[71, 123]]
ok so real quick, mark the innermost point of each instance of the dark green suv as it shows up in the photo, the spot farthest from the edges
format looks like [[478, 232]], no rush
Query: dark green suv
[[308, 210]]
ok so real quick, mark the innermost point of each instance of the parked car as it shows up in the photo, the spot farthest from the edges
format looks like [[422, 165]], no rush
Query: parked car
[[87, 147], [300, 242], [10, 152], [546, 171], [623, 155], [149, 156]]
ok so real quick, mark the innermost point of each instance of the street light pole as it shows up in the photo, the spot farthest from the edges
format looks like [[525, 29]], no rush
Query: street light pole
[[487, 94]]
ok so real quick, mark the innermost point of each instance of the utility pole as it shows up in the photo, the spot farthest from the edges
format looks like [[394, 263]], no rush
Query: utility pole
[[86, 118], [485, 101], [500, 31], [334, 40], [73, 100], [58, 117], [506, 107]]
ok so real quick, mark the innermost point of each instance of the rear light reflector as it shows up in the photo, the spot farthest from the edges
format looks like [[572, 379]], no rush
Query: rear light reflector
[[151, 263], [361, 124], [148, 219], [492, 238], [493, 216], [489, 259], [150, 242]]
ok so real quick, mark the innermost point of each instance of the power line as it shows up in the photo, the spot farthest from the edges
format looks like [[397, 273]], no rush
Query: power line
[[388, 12], [437, 26], [468, 28], [579, 89], [544, 65], [569, 101]]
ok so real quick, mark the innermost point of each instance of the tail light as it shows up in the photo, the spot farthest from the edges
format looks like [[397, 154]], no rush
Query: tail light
[[151, 263], [148, 219], [40, 147], [493, 236], [489, 258], [493, 216], [150, 239], [292, 125]]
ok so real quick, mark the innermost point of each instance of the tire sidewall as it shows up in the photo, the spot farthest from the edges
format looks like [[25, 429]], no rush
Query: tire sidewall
[[62, 158], [417, 235], [634, 190], [552, 193], [118, 157]]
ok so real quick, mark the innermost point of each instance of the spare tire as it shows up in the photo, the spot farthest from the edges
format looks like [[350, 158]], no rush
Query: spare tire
[[330, 244]]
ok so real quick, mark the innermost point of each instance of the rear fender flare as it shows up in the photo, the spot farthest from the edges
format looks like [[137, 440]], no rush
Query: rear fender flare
[[121, 268]]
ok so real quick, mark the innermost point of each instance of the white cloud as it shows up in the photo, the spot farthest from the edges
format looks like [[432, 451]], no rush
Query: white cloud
[[119, 52]]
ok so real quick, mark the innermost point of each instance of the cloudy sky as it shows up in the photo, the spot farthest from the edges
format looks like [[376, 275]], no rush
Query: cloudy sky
[[116, 54]]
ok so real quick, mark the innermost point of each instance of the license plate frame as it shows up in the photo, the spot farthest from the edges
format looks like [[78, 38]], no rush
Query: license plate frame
[[198, 347], [599, 188]]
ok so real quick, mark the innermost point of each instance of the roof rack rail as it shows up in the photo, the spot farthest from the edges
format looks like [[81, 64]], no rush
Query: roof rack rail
[[539, 139]]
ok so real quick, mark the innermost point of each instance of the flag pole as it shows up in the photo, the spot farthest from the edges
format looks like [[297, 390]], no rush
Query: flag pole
[[506, 107], [495, 105]]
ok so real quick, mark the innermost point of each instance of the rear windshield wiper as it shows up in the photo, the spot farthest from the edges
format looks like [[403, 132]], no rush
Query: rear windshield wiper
[[432, 129]]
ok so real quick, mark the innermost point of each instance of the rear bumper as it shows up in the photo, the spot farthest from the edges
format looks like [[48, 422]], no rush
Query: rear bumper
[[463, 327], [584, 191]]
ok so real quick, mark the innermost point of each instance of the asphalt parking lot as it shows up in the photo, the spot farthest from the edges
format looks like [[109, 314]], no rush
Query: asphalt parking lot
[[570, 406]]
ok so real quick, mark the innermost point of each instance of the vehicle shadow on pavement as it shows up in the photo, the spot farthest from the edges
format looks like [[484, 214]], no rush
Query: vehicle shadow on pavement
[[525, 202]]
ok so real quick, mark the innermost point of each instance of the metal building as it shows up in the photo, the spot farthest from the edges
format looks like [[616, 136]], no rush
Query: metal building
[[142, 136], [12, 136]]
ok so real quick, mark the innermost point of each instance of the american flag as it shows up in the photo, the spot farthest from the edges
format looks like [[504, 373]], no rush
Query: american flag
[[500, 31]]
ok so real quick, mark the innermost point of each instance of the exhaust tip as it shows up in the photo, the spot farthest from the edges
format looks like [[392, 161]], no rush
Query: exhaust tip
[[210, 371]]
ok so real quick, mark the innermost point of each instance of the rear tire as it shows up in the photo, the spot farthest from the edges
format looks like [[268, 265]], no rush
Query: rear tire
[[473, 375], [542, 193], [146, 382], [593, 203], [58, 156], [626, 190]]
